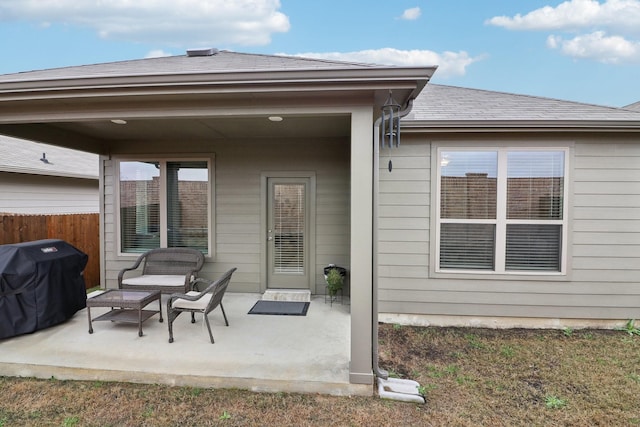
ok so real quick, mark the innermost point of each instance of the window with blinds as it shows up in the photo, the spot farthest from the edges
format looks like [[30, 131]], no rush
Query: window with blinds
[[289, 228], [139, 206], [501, 210], [535, 192], [187, 189], [163, 203]]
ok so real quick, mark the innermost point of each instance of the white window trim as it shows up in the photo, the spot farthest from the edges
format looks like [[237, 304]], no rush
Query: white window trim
[[501, 222], [164, 158]]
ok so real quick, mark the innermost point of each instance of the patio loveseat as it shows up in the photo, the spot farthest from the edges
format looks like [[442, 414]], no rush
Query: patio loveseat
[[167, 270]]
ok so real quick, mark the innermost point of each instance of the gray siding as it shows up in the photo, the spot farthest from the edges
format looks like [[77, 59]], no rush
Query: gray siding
[[238, 169], [603, 277], [38, 194]]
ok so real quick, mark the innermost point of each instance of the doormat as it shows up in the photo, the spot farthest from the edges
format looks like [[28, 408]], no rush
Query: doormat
[[280, 308]]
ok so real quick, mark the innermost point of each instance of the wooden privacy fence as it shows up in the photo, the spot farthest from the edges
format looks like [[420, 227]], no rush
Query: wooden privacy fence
[[80, 230]]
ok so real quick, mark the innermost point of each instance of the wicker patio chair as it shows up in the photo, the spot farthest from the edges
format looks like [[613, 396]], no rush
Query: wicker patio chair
[[167, 270], [199, 302]]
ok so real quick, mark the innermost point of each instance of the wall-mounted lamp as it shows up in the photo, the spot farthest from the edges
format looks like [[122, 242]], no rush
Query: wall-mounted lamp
[[390, 127]]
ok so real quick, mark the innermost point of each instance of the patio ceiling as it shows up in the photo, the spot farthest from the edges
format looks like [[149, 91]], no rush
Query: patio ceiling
[[100, 135]]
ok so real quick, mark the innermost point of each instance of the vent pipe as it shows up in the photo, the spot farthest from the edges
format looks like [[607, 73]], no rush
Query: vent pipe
[[209, 51]]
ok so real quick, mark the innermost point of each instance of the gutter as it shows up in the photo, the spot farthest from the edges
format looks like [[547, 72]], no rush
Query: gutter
[[388, 388], [22, 87], [493, 126]]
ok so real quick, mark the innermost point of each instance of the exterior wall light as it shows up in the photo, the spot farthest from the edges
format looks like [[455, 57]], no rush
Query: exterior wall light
[[390, 126]]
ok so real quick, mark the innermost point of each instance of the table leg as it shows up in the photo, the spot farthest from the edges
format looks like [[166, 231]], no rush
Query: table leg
[[140, 321], [89, 315], [160, 307]]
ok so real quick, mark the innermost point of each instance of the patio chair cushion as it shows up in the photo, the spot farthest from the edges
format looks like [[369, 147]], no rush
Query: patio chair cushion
[[200, 304], [155, 280]]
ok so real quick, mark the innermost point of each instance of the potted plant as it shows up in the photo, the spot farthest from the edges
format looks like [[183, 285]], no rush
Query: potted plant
[[335, 280]]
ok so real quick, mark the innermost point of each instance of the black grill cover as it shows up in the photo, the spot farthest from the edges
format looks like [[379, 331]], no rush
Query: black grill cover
[[41, 285]]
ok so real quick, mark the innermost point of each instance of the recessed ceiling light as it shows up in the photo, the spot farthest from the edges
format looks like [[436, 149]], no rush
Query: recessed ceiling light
[[275, 118], [119, 121]]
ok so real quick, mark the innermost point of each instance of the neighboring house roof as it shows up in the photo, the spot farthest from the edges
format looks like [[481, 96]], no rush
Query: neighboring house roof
[[22, 156], [449, 106], [635, 106]]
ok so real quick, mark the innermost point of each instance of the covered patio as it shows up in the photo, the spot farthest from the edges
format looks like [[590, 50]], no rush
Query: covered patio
[[250, 123], [256, 352]]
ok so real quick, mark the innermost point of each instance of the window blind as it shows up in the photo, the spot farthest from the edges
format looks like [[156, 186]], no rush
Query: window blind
[[467, 246], [533, 247], [289, 228], [139, 202]]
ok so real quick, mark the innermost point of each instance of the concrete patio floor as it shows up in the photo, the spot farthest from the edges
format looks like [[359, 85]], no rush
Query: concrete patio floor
[[307, 354]]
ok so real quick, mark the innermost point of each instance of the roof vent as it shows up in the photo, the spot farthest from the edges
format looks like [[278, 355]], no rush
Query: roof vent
[[210, 51]]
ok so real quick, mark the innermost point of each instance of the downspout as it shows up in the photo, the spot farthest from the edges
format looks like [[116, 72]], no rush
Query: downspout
[[388, 388], [377, 371]]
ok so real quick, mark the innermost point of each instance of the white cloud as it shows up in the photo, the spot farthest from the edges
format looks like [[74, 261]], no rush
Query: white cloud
[[157, 53], [617, 15], [604, 31], [449, 63], [599, 47], [181, 23], [411, 14]]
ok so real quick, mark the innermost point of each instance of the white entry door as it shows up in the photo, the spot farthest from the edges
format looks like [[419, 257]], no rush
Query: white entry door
[[288, 233]]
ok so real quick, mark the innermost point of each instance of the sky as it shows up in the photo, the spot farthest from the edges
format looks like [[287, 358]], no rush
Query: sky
[[577, 50]]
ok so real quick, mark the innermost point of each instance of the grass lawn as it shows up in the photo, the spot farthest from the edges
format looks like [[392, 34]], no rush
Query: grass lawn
[[471, 377]]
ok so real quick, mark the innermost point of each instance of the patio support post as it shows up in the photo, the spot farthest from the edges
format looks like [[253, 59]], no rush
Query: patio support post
[[360, 370]]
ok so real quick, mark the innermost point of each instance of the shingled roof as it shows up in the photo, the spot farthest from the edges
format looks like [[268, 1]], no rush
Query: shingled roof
[[635, 106], [436, 107], [439, 103], [222, 61], [22, 156]]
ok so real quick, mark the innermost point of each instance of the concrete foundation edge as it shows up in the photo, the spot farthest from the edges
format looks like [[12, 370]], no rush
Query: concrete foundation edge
[[251, 384], [498, 322]]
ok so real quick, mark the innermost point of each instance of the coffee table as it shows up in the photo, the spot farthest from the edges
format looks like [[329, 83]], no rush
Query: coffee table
[[126, 306]]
